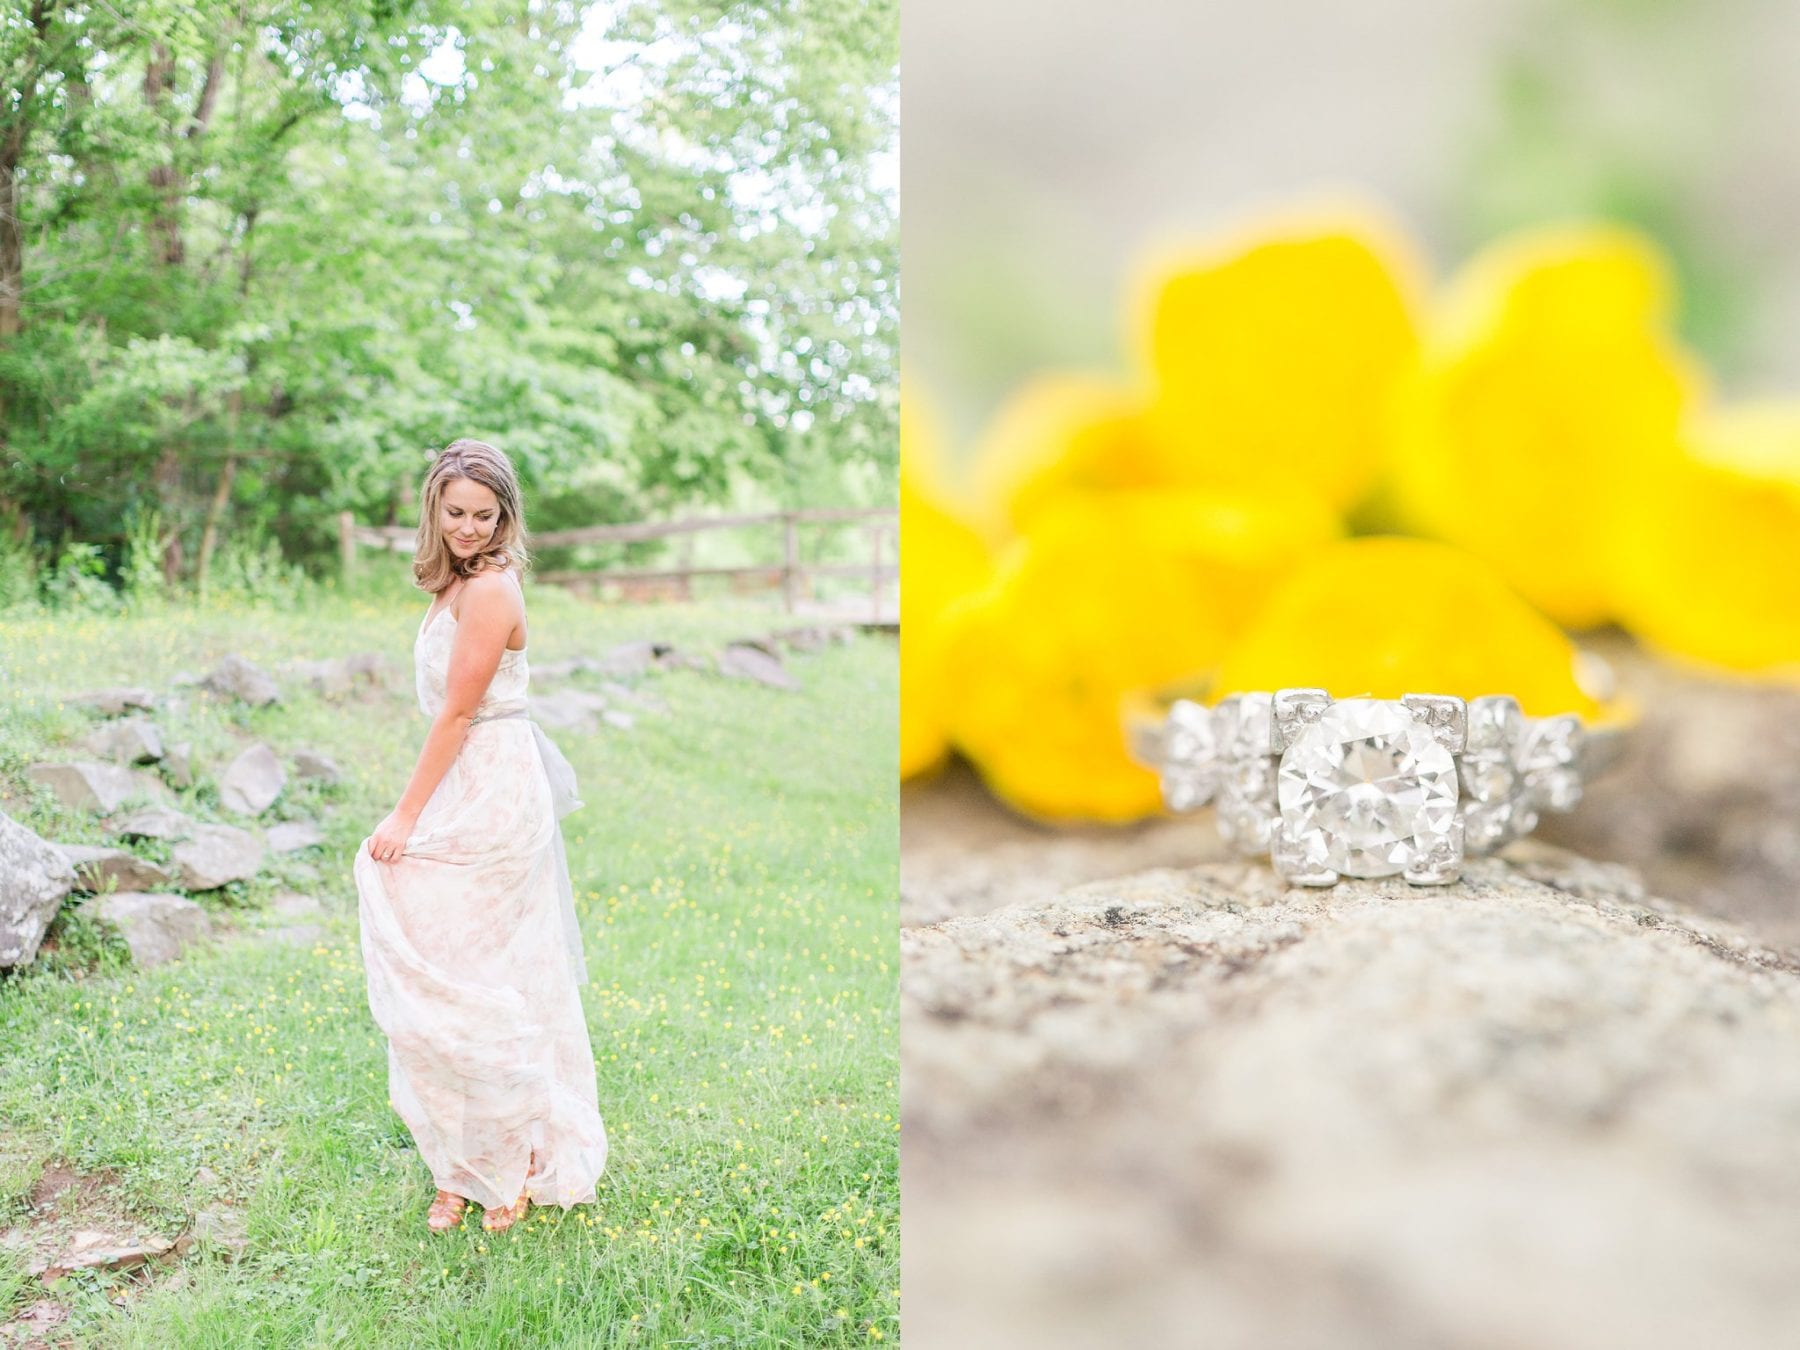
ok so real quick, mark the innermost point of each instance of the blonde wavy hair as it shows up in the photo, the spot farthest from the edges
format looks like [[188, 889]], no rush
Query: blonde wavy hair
[[434, 564]]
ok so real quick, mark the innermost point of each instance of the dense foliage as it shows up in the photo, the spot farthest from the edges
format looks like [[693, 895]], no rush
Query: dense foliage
[[259, 257]]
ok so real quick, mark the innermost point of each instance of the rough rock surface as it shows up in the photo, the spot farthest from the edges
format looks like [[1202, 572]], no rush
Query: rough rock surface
[[95, 867], [240, 679], [112, 702], [153, 822], [88, 785], [961, 853], [215, 855], [290, 835], [156, 927], [312, 764], [178, 764], [1189, 1106], [34, 878], [749, 660], [252, 780], [1706, 801], [130, 740]]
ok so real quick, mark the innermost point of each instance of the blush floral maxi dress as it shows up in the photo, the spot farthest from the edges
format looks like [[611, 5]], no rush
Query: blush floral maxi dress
[[474, 961]]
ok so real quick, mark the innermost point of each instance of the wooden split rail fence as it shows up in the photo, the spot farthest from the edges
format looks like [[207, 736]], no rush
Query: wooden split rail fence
[[791, 574]]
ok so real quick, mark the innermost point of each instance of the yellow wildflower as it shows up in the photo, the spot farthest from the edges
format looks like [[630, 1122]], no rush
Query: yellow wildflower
[[1548, 381], [1107, 593], [1387, 617], [1059, 434], [1708, 550], [1274, 349], [941, 560]]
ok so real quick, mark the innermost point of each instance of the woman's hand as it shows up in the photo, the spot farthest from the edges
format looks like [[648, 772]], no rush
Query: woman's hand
[[389, 840]]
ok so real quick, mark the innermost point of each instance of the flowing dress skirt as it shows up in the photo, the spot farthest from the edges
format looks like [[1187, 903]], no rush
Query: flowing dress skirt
[[469, 978]]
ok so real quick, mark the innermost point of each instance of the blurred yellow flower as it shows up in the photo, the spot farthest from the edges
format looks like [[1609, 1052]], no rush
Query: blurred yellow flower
[[1388, 616], [1274, 349], [942, 560], [1708, 549], [1059, 434], [1104, 595], [1547, 381]]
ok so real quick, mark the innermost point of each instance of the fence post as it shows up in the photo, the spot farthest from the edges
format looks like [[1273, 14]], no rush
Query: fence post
[[346, 544], [790, 573]]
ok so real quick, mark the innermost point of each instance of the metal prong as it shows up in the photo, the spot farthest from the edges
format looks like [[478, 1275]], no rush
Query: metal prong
[[1292, 865], [1294, 710], [1443, 864], [1447, 718]]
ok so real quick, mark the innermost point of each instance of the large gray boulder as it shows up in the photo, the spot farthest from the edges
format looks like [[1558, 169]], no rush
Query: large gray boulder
[[1538, 1108], [157, 928], [216, 855], [252, 781], [34, 878]]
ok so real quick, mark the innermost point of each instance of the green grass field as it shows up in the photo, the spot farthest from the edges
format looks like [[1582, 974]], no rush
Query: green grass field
[[735, 864]]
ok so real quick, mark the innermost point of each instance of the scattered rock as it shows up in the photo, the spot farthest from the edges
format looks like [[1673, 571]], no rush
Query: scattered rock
[[221, 1225], [131, 740], [328, 677], [156, 926], [567, 709], [369, 667], [290, 835], [93, 1249], [752, 660], [813, 638], [294, 905], [253, 780], [88, 785], [614, 717], [153, 822], [312, 764], [217, 854], [630, 658], [112, 702], [239, 679], [178, 766], [96, 866], [34, 878]]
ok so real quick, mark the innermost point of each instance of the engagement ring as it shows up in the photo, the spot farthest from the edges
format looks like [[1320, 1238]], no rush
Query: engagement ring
[[1367, 787]]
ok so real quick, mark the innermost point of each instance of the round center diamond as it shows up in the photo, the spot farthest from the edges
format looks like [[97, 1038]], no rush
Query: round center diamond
[[1366, 790]]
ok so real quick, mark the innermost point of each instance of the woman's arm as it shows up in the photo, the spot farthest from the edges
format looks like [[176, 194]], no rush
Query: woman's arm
[[490, 611]]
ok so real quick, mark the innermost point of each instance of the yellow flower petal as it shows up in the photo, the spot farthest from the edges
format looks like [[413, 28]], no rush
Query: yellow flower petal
[[1547, 381], [1387, 617], [1059, 434], [1274, 350], [1708, 560], [1107, 594], [942, 560]]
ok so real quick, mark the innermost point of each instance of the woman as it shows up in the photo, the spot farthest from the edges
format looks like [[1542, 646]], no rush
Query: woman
[[469, 939]]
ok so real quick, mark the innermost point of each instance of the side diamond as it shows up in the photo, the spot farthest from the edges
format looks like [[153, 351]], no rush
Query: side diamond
[[1190, 761]]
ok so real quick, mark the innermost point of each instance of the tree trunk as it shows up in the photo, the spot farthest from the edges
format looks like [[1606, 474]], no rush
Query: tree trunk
[[215, 509], [168, 493], [165, 220], [12, 152]]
